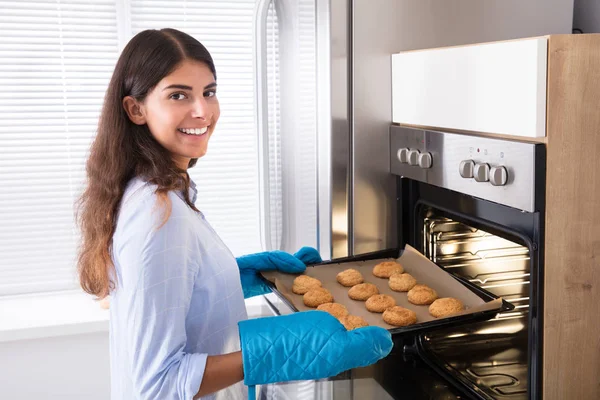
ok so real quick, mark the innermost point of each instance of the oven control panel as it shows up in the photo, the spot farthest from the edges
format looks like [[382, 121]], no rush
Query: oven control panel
[[502, 171]]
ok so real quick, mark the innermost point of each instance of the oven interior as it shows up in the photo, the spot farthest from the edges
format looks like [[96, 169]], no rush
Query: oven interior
[[490, 356]]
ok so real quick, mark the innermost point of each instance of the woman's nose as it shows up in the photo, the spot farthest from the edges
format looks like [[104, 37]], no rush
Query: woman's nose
[[201, 109]]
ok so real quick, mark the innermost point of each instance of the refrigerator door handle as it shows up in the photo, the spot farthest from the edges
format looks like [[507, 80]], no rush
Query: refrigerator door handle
[[262, 117]]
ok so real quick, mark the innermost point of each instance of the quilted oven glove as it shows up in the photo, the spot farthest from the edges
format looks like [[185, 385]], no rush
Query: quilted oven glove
[[250, 264], [306, 345]]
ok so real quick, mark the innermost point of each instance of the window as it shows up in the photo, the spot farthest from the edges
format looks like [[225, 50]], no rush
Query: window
[[56, 58]]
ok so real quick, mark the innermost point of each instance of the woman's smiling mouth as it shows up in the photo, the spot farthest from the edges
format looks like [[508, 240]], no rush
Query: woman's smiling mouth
[[193, 131]]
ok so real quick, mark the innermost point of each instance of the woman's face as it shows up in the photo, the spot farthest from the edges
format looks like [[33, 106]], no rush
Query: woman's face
[[182, 111]]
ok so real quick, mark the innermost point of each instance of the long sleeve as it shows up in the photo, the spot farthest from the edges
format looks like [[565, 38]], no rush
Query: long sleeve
[[162, 270]]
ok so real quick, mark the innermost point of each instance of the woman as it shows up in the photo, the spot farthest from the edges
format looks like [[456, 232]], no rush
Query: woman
[[179, 328]]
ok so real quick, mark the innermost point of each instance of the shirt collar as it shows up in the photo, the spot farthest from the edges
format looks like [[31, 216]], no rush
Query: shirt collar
[[193, 191]]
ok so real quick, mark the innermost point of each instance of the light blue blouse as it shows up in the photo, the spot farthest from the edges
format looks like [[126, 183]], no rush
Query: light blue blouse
[[178, 299]]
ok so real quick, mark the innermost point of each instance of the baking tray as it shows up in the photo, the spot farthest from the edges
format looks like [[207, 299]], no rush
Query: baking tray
[[480, 304]]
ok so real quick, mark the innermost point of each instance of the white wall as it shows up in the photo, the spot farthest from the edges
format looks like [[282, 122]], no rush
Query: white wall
[[72, 367], [586, 16]]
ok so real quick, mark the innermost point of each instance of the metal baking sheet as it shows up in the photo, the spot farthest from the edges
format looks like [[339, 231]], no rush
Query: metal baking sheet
[[414, 263]]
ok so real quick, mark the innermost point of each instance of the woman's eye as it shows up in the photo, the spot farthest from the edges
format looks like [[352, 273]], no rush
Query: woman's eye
[[178, 96], [210, 93]]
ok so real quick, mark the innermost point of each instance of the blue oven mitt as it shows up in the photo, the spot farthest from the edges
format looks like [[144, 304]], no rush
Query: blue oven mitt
[[278, 260], [306, 345]]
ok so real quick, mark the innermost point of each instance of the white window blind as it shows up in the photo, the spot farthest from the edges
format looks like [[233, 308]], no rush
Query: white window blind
[[274, 129], [56, 58], [296, 115], [304, 227]]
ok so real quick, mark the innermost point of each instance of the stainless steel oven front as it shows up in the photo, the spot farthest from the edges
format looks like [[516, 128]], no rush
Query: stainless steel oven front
[[475, 206]]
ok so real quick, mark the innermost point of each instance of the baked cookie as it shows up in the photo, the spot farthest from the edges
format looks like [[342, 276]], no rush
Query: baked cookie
[[420, 286], [385, 269], [316, 297], [445, 306], [304, 283], [362, 291], [351, 322], [350, 277], [379, 303], [421, 295], [336, 309], [399, 316], [400, 282]]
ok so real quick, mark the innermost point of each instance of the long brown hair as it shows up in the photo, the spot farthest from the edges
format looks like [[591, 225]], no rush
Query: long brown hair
[[122, 150]]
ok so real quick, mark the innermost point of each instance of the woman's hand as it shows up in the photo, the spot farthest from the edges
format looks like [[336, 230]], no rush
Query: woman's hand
[[307, 345], [278, 260]]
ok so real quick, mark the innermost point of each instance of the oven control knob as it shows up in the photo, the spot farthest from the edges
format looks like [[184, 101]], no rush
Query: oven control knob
[[425, 160], [413, 157], [403, 155], [481, 172], [498, 176], [466, 168]]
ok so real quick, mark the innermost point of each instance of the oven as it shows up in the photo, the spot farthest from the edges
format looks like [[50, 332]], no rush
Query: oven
[[475, 207]]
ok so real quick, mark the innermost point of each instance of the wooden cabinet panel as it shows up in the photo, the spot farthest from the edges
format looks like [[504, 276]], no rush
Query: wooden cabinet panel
[[571, 310]]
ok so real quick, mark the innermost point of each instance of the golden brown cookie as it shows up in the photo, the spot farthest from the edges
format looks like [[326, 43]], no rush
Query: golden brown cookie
[[362, 291], [420, 286], [445, 306], [351, 322], [400, 282], [399, 316], [304, 283], [336, 309], [421, 295], [316, 297], [350, 277], [384, 269], [380, 302]]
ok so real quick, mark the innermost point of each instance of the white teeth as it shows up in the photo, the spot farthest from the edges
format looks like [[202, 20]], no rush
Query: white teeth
[[195, 131]]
